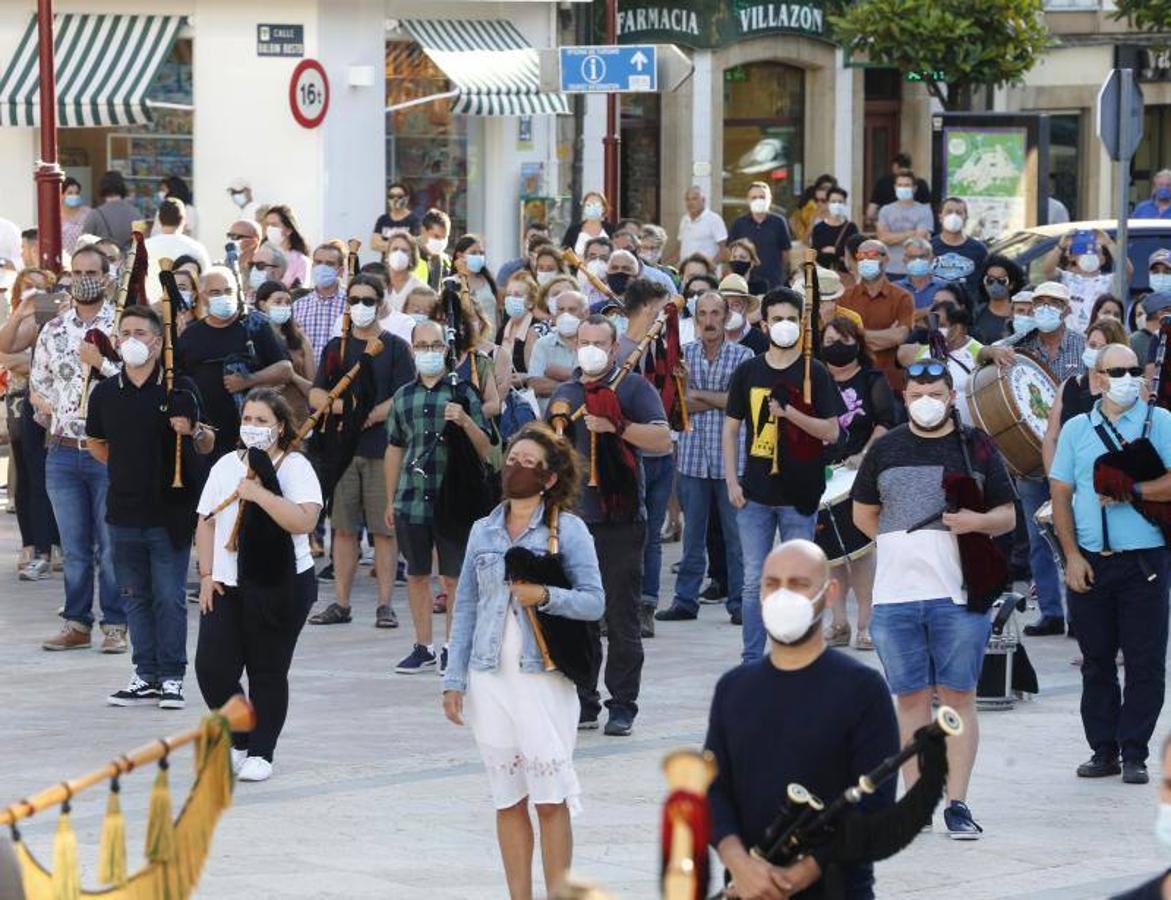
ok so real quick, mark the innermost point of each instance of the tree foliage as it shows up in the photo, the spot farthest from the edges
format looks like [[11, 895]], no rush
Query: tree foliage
[[954, 46], [1145, 15]]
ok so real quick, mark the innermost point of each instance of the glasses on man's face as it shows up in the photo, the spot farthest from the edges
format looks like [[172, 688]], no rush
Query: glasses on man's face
[[433, 348], [931, 368], [232, 236], [1119, 371], [868, 254], [261, 264], [221, 292]]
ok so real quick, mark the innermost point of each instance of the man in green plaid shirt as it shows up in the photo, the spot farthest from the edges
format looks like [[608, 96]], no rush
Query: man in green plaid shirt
[[415, 463]]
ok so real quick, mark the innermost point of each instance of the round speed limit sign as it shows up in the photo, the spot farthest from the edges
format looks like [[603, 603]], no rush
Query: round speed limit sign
[[309, 93]]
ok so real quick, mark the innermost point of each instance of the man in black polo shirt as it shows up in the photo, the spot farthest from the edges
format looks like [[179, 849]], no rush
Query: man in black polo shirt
[[768, 232], [130, 428]]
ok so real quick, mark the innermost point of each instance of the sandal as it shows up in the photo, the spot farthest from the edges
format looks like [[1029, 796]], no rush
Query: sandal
[[334, 614], [838, 635], [384, 617], [863, 641]]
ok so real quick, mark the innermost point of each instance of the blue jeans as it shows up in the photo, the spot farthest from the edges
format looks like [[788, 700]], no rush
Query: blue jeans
[[1034, 493], [698, 496], [153, 577], [929, 642], [76, 483], [659, 475], [758, 526]]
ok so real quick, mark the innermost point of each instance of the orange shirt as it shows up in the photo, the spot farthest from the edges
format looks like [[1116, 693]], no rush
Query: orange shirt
[[889, 307]]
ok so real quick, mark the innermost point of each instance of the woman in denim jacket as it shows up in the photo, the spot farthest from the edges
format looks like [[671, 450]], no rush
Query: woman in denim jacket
[[524, 719]]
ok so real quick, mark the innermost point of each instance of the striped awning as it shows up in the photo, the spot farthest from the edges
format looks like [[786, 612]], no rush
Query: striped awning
[[104, 63], [490, 63]]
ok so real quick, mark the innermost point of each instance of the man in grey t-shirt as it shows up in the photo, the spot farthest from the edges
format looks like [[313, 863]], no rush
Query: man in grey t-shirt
[[116, 215], [901, 220]]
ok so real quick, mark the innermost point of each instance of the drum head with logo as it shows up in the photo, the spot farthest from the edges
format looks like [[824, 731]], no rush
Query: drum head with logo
[[1034, 392]]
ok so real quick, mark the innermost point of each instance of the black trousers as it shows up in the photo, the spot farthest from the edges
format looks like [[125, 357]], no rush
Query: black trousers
[[1124, 609], [233, 640], [717, 561], [619, 550]]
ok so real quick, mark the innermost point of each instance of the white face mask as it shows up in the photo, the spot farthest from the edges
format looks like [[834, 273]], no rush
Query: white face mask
[[788, 615], [259, 436], [134, 352], [436, 246], [953, 222], [274, 234], [543, 278], [735, 322], [1125, 390], [567, 324], [1089, 262], [927, 412], [239, 198], [598, 267], [398, 260], [841, 210], [551, 302], [362, 315], [758, 205], [280, 314], [592, 359], [1163, 825], [784, 333]]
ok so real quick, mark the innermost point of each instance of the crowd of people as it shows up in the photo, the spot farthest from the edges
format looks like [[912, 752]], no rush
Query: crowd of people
[[288, 409]]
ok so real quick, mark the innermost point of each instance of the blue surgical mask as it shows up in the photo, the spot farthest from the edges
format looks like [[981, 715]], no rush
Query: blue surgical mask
[[514, 306], [1161, 282], [1090, 357], [475, 262], [1048, 319], [692, 302], [73, 201], [419, 318], [619, 323], [222, 307], [1023, 324], [869, 269], [324, 276], [256, 277], [592, 210], [429, 362], [280, 314], [918, 267], [904, 193], [1163, 194]]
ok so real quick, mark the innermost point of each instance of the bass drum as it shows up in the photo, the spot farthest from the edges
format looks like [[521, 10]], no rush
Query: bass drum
[[1012, 405], [835, 532]]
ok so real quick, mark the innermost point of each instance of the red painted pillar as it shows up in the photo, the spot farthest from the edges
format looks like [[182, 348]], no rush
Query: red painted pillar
[[48, 174], [613, 139]]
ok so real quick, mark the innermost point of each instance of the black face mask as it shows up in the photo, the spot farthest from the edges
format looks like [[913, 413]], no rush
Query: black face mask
[[840, 353], [740, 266], [618, 281]]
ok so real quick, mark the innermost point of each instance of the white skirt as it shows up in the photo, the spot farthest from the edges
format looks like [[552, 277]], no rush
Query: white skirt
[[525, 724]]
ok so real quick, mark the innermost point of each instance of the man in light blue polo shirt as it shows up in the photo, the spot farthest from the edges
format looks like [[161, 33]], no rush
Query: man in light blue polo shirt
[[1116, 569]]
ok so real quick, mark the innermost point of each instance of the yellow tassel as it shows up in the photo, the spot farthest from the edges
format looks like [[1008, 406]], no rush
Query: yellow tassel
[[112, 846], [160, 824], [66, 875]]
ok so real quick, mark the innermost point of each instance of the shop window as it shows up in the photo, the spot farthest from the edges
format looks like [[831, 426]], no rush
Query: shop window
[[640, 157], [1064, 130], [764, 118], [426, 144]]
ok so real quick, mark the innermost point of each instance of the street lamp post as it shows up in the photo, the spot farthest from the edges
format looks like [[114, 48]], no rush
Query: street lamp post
[[48, 174], [612, 141]]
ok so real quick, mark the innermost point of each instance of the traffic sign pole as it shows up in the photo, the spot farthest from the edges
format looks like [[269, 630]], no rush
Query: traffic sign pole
[[1121, 275], [1120, 128], [611, 143]]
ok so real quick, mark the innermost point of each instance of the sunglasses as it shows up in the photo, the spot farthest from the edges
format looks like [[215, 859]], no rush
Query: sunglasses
[[1119, 371], [1003, 281], [365, 301], [931, 368], [232, 236]]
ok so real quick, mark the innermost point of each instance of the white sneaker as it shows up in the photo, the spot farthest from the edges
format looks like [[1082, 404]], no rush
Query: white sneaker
[[238, 757], [255, 768]]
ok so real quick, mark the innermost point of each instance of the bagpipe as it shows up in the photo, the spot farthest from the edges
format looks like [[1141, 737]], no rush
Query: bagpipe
[[804, 823], [571, 646], [175, 848], [792, 441], [686, 827], [666, 354], [1119, 469], [572, 259]]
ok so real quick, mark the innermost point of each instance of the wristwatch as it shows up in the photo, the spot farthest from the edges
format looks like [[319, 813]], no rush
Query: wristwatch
[[544, 598]]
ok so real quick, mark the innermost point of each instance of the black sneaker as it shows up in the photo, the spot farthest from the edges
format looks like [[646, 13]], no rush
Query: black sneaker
[[646, 621], [1045, 626], [736, 617], [443, 660], [675, 613], [400, 573], [136, 693], [620, 723], [713, 593], [326, 574], [420, 658], [171, 695], [1100, 765], [587, 721], [1135, 773], [960, 824]]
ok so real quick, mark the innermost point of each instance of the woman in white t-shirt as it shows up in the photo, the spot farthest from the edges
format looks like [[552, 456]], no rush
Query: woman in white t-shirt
[[254, 603]]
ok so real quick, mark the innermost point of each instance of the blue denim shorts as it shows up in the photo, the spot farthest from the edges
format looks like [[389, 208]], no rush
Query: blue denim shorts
[[929, 642]]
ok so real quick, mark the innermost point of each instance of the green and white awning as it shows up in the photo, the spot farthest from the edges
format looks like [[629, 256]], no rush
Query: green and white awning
[[490, 64], [104, 63]]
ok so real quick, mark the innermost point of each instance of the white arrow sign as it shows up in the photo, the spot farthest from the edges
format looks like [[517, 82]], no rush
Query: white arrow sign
[[639, 60]]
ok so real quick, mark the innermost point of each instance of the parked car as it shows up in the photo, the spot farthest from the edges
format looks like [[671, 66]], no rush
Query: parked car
[[1029, 247]]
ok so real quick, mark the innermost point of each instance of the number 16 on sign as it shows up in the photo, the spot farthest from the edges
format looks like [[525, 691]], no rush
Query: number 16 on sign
[[309, 93]]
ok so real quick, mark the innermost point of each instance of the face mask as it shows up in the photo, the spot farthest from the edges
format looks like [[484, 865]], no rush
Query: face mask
[[543, 278], [222, 307], [134, 352], [1089, 262], [256, 277], [620, 323], [692, 302], [735, 322], [419, 318], [73, 201], [362, 315], [1048, 319], [324, 276], [996, 290], [239, 198], [740, 266], [475, 262], [1161, 282], [869, 269], [788, 616], [398, 260], [839, 353], [618, 281], [274, 234], [1163, 194], [436, 246], [114, 270], [7, 279], [784, 333], [593, 360], [87, 289], [567, 324], [598, 268], [928, 412], [160, 196], [1023, 324], [1124, 391], [1163, 825], [551, 303], [429, 362], [758, 205], [259, 436], [521, 482], [904, 193], [592, 210], [840, 210], [918, 267], [280, 314], [1089, 357], [515, 306], [651, 256], [398, 203], [953, 222]]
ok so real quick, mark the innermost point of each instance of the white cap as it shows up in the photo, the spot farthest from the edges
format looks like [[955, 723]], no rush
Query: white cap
[[1022, 297], [239, 184], [1054, 289]]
